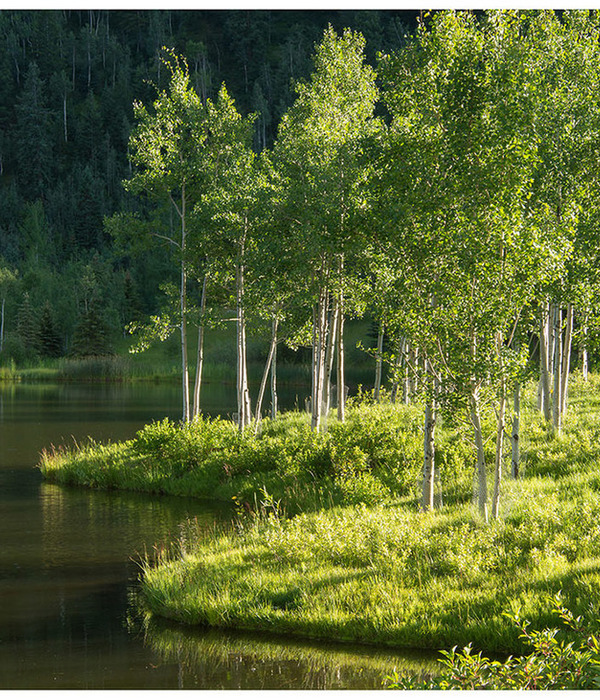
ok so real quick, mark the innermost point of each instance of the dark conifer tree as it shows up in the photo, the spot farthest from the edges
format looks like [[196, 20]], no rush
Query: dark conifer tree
[[34, 148], [91, 335], [27, 325], [49, 342]]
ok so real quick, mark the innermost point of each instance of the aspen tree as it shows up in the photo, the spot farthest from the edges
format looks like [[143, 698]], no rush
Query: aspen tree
[[164, 146], [459, 98], [320, 152]]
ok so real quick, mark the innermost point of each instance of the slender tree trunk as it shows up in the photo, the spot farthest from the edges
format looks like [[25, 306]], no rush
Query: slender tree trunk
[[183, 305], [427, 500], [331, 340], [314, 378], [406, 370], [584, 347], [515, 451], [200, 355], [341, 373], [274, 385], [499, 451], [482, 496], [397, 368], [414, 363], [65, 116], [544, 362], [556, 398], [379, 362], [566, 359], [244, 412], [263, 383], [319, 367]]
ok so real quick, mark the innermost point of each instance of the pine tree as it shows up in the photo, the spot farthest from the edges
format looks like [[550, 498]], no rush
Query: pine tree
[[91, 335], [49, 342], [27, 324]]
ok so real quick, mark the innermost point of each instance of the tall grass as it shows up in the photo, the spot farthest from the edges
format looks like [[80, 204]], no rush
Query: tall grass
[[374, 456], [379, 571]]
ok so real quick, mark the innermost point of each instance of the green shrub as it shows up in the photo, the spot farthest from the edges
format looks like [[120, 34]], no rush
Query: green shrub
[[553, 664]]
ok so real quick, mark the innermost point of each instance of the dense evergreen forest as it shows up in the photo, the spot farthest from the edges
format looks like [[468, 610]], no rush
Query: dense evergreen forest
[[69, 79]]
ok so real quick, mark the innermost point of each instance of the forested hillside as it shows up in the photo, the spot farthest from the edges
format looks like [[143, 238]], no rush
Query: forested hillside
[[68, 80]]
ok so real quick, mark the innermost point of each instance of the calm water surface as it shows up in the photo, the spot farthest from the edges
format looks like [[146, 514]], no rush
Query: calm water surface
[[69, 566]]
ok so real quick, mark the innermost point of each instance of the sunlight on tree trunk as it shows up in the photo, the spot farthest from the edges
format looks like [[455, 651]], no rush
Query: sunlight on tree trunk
[[429, 472], [566, 359], [482, 495], [515, 456], [200, 355], [499, 452], [263, 383], [558, 348], [379, 362]]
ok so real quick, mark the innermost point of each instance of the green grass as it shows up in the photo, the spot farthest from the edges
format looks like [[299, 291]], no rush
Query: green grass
[[374, 456], [334, 546], [389, 575]]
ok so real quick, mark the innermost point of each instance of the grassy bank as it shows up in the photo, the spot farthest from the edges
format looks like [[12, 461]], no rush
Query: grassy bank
[[357, 561], [374, 456]]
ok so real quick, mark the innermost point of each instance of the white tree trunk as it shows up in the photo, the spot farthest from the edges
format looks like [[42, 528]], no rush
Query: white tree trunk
[[274, 384], [263, 383], [427, 500], [515, 451], [331, 340], [341, 373], [566, 360], [482, 496], [584, 347], [200, 354], [545, 363], [183, 307], [499, 452], [413, 358], [406, 378], [556, 397], [243, 395], [319, 351], [379, 362], [396, 371]]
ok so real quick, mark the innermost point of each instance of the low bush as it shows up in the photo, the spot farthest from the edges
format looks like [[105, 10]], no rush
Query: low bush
[[373, 457], [554, 663]]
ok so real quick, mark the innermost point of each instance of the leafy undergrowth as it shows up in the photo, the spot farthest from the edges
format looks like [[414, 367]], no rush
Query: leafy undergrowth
[[374, 456], [554, 662]]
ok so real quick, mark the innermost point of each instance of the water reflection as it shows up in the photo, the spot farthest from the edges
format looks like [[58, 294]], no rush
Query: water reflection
[[207, 658], [69, 565]]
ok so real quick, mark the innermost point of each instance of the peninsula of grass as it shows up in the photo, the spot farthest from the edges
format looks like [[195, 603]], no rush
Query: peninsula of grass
[[335, 546], [374, 456]]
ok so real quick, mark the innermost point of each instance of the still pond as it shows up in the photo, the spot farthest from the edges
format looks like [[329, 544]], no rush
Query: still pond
[[69, 566]]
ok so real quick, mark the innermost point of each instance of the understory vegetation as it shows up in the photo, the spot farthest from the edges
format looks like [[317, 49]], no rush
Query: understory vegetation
[[329, 542], [374, 456], [552, 664]]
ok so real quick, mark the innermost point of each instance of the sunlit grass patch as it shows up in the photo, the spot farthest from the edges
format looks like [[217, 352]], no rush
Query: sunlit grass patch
[[384, 575]]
